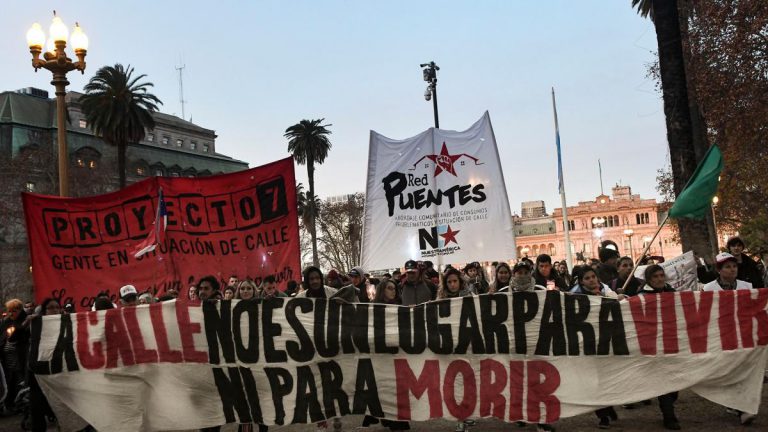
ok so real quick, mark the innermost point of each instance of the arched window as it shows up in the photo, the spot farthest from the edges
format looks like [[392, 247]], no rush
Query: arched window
[[552, 250]]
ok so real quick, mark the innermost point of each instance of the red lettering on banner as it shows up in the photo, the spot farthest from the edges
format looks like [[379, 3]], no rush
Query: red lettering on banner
[[749, 310], [543, 380], [727, 320], [697, 318], [516, 390], [645, 315], [187, 329], [407, 383], [140, 352], [118, 341], [669, 323], [469, 385], [493, 381], [165, 353], [91, 356]]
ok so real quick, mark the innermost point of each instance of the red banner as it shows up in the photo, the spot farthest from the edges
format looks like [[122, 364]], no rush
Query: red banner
[[243, 224]]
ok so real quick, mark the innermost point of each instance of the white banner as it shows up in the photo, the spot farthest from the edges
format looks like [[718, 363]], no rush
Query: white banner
[[528, 356], [438, 196], [680, 271]]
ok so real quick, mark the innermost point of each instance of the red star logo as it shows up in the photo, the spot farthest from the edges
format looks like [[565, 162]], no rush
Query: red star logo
[[444, 161], [450, 236]]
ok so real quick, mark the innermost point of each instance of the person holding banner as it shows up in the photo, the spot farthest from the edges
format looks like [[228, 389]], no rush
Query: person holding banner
[[246, 290], [727, 270], [546, 276], [453, 285], [748, 271], [588, 283], [39, 409], [269, 288], [502, 277], [476, 278], [387, 293], [208, 288], [625, 269], [312, 282], [522, 279], [414, 289]]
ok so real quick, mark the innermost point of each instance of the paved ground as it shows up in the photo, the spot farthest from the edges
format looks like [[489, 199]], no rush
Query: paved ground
[[695, 414]]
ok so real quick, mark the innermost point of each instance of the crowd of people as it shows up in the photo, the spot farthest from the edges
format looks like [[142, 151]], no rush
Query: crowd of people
[[611, 276]]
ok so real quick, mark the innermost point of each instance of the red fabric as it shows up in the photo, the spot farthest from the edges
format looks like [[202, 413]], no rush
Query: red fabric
[[244, 223]]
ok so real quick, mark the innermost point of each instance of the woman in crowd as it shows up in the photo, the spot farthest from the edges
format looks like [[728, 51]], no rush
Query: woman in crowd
[[246, 290], [40, 410], [562, 270], [192, 293], [453, 285], [229, 293], [476, 278], [387, 293], [501, 278], [14, 343]]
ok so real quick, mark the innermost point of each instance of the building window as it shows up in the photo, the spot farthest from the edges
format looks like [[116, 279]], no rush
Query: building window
[[83, 124], [151, 137], [141, 171], [642, 218], [179, 142], [205, 148], [166, 140], [30, 186], [193, 145]]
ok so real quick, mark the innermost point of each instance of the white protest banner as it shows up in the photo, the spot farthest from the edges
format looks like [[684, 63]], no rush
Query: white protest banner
[[438, 196], [528, 356], [680, 271]]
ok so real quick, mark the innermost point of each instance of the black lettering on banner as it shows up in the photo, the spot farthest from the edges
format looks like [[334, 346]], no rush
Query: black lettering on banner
[[494, 331], [525, 305], [64, 347], [332, 380], [59, 225], [439, 336], [249, 354], [304, 350], [551, 331], [327, 332], [273, 201], [469, 329], [85, 226], [218, 329], [413, 337], [232, 394], [253, 395], [138, 212], [306, 397], [611, 331], [112, 224], [354, 328], [193, 220], [380, 330], [281, 384], [366, 398], [36, 330], [271, 331], [576, 313]]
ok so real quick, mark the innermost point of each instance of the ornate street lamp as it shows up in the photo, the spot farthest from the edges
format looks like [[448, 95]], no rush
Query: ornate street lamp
[[629, 232], [56, 61], [429, 70]]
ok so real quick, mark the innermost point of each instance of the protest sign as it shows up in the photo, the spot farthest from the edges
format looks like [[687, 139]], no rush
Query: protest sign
[[244, 223], [529, 356], [680, 271], [438, 196]]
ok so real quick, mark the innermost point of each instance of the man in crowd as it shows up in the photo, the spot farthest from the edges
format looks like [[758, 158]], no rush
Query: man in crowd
[[606, 270], [414, 290], [269, 288], [748, 271], [233, 281], [625, 268], [129, 297], [727, 270], [358, 280], [208, 288], [546, 276]]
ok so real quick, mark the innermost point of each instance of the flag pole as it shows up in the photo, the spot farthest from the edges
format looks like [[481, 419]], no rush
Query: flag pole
[[561, 187], [642, 255]]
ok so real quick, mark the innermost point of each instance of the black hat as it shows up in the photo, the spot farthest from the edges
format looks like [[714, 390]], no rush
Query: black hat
[[520, 266], [411, 265]]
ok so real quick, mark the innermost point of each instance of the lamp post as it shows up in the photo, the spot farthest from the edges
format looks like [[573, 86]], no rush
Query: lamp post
[[598, 222], [56, 61], [629, 232], [430, 76]]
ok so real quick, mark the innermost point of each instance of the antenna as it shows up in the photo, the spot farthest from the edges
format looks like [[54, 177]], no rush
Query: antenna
[[181, 90], [600, 167]]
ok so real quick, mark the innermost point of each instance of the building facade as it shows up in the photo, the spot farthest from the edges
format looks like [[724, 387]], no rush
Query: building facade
[[28, 154], [622, 217]]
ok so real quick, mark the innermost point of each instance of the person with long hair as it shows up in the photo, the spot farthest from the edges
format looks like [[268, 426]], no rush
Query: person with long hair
[[564, 272], [501, 278], [453, 285], [476, 278], [387, 293], [39, 409], [246, 290]]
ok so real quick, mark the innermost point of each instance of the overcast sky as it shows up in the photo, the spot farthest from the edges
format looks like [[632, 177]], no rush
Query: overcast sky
[[254, 68]]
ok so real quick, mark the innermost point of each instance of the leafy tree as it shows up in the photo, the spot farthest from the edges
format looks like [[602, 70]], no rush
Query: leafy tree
[[309, 144], [119, 109]]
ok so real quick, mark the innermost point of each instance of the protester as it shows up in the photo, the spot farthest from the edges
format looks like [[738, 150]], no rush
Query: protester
[[387, 293], [312, 283], [727, 267], [589, 284], [129, 297], [233, 282], [333, 279], [656, 283], [748, 270], [229, 293], [246, 290], [208, 288], [40, 411], [501, 278], [606, 270], [269, 288], [476, 278], [291, 287], [146, 298], [453, 285], [358, 280], [102, 303], [172, 292], [625, 269], [522, 279], [414, 289], [14, 341], [546, 276], [565, 275], [192, 293], [29, 307]]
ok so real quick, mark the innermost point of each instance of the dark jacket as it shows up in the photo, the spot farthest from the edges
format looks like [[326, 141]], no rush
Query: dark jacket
[[748, 272], [632, 287], [415, 293], [606, 273], [362, 292], [553, 276], [646, 289]]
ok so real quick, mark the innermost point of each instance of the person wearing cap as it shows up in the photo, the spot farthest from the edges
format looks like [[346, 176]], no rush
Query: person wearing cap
[[546, 276], [128, 296], [476, 278], [146, 298], [727, 270], [748, 270], [358, 281], [414, 289], [522, 279]]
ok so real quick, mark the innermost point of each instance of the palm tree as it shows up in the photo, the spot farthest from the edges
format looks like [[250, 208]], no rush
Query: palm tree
[[665, 15], [309, 144], [119, 108], [302, 201]]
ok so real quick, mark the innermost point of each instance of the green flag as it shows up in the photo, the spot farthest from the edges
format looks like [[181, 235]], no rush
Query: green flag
[[696, 198]]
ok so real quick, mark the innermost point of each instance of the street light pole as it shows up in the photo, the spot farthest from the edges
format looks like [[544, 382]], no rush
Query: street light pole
[[55, 60], [629, 232], [430, 76]]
